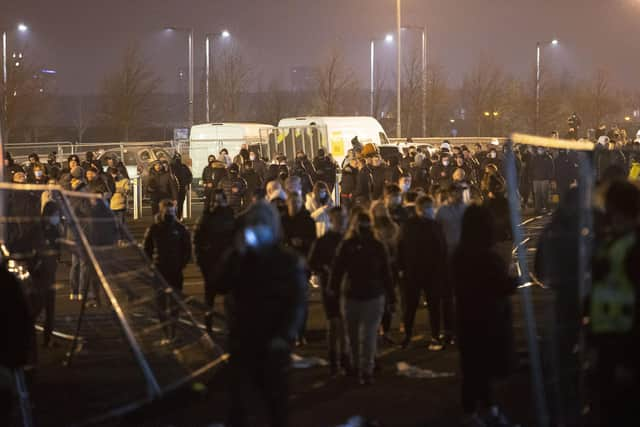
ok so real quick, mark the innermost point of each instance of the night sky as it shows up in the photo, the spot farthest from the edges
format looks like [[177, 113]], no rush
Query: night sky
[[83, 39]]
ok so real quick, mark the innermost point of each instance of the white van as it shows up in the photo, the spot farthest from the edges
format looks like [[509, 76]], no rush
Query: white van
[[337, 132], [210, 138]]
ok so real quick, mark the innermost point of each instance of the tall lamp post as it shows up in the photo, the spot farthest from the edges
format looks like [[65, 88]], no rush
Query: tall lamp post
[[189, 31], [388, 38], [22, 28], [423, 30], [539, 45], [207, 56], [399, 69]]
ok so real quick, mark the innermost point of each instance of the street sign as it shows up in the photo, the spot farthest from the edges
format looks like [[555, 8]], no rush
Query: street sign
[[181, 134]]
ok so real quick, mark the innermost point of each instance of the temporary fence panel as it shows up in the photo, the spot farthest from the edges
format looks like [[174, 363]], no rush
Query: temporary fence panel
[[142, 339], [289, 140]]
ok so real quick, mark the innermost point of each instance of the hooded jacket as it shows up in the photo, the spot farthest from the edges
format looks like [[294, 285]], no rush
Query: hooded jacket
[[299, 232], [422, 253], [168, 244], [364, 262], [234, 188], [213, 236], [162, 185]]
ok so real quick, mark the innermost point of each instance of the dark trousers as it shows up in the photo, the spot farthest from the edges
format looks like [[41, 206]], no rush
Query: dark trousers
[[262, 374], [526, 188], [155, 205], [168, 310], [182, 194], [411, 300]]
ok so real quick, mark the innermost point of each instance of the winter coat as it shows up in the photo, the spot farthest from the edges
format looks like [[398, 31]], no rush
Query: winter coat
[[450, 218], [364, 185], [321, 257], [441, 176], [484, 318], [213, 236], [319, 213], [234, 188], [364, 262], [254, 181], [11, 170], [422, 253], [213, 174], [98, 186], [103, 229], [325, 171], [349, 180], [299, 232], [183, 175], [542, 167], [168, 244], [119, 198], [379, 181], [53, 170], [267, 293], [162, 185], [566, 169]]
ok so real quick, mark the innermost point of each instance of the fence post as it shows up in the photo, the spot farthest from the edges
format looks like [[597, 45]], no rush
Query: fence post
[[187, 203], [137, 198], [336, 190]]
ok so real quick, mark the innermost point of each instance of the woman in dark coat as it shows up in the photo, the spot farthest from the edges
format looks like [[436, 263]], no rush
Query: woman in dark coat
[[483, 309]]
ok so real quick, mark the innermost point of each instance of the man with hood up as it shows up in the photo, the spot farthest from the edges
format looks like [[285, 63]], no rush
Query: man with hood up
[[234, 187], [162, 185], [10, 167], [184, 177]]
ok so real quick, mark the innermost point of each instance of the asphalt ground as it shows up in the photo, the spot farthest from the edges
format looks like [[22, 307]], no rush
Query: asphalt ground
[[315, 398]]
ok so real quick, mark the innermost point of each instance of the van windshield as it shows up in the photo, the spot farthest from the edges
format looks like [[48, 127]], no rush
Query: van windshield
[[383, 138]]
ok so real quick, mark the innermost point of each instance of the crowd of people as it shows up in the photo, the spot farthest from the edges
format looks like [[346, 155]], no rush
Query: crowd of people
[[398, 231]]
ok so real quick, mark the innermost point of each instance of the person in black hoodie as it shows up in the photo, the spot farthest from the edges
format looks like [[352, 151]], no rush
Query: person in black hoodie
[[162, 185], [184, 177], [364, 184], [320, 258], [53, 167], [485, 332], [266, 283], [325, 168], [566, 169], [167, 243], [422, 259], [213, 236], [541, 174], [348, 183], [253, 180], [364, 262], [299, 233], [10, 167], [378, 175]]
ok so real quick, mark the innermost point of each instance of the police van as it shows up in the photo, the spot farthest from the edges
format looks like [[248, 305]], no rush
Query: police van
[[308, 134]]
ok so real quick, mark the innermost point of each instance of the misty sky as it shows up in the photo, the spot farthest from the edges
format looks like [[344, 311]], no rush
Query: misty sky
[[83, 39]]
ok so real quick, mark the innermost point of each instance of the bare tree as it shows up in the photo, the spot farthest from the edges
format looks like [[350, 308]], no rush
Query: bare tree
[[231, 77], [22, 97], [82, 118], [127, 92], [412, 94], [273, 103], [437, 108], [380, 96], [335, 83]]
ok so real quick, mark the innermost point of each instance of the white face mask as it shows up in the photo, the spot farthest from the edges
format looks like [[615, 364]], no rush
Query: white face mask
[[252, 157], [406, 186], [492, 155], [445, 162], [38, 174]]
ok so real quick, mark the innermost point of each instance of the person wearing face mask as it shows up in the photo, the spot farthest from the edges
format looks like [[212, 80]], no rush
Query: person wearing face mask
[[364, 262], [542, 172], [378, 175], [167, 243], [161, 185], [348, 183], [405, 183], [212, 174], [493, 159], [364, 184], [422, 259], [234, 187], [184, 178], [441, 173], [253, 180], [39, 175], [53, 167], [566, 169], [325, 168], [259, 165], [393, 196], [10, 167], [266, 284], [225, 158], [319, 203]]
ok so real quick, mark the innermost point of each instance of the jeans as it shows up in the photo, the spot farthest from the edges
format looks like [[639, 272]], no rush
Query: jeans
[[78, 275], [541, 195], [362, 318]]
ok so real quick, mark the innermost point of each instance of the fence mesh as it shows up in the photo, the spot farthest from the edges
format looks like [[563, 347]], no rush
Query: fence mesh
[[128, 339]]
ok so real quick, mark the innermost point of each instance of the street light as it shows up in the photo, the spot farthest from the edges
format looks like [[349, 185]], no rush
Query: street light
[[388, 39], [22, 28], [207, 53], [553, 42], [423, 30], [399, 69], [189, 31]]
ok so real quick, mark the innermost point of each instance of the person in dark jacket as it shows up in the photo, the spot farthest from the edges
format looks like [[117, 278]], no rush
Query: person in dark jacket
[[484, 317], [95, 183], [393, 202], [325, 168], [162, 185], [541, 175], [348, 183], [184, 177], [259, 165], [299, 233], [53, 167], [320, 259], [378, 176], [364, 262], [303, 169], [50, 254], [234, 187], [364, 184], [442, 173], [422, 260], [498, 205], [266, 284], [566, 171], [253, 180], [114, 162], [17, 334], [212, 174], [213, 236], [167, 243], [73, 162], [10, 167]]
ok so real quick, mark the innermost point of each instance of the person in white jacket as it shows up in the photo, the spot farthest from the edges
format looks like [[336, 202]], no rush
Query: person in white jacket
[[319, 203]]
